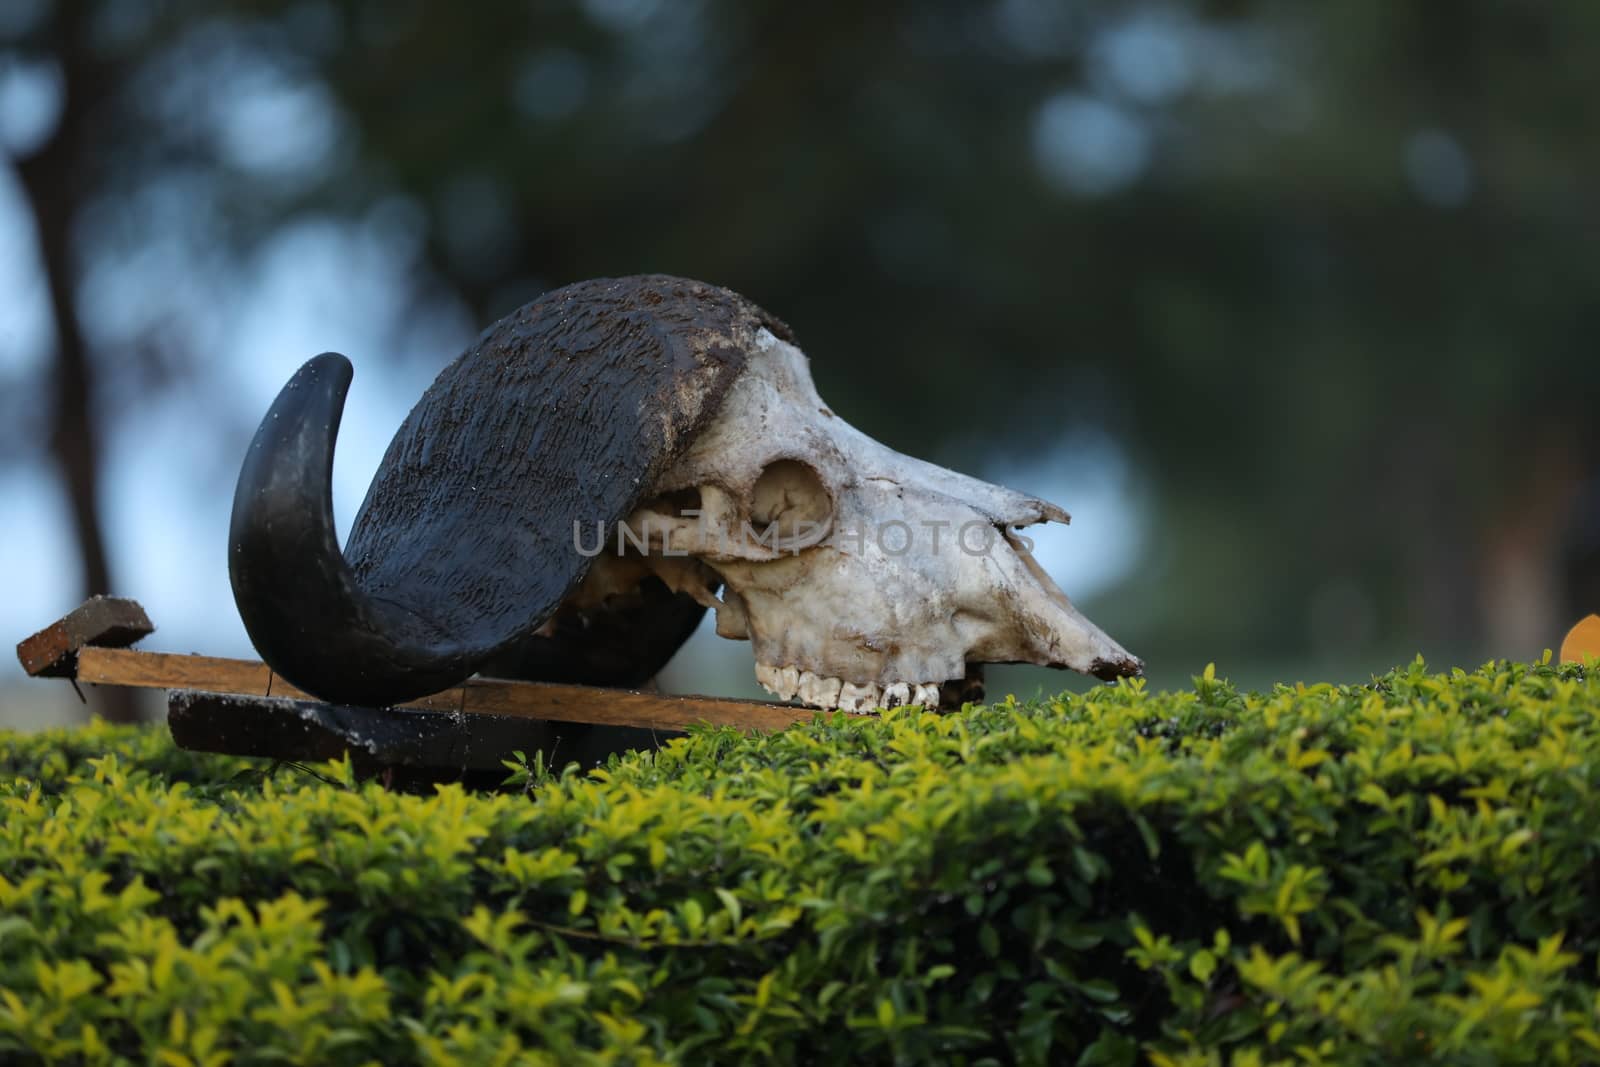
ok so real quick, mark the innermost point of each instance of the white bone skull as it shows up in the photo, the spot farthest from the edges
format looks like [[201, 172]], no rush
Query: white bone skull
[[862, 577]]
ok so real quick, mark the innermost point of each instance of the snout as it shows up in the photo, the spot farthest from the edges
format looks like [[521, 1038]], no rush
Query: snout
[[1051, 632]]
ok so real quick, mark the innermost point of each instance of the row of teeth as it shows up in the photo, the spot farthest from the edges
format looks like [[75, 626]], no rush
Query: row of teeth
[[791, 683]]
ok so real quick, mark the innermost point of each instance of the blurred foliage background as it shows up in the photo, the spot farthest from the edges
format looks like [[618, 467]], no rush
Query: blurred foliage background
[[1309, 289]]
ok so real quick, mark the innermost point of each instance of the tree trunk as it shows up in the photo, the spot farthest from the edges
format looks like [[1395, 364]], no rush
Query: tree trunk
[[53, 179]]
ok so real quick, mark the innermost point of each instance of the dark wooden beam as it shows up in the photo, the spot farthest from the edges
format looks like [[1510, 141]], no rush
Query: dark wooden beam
[[407, 748]]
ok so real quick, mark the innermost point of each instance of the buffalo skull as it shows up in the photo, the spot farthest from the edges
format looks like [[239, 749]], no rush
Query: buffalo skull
[[574, 491]]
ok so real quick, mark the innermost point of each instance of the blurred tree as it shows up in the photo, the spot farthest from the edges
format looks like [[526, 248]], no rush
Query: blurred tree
[[1326, 272], [52, 176]]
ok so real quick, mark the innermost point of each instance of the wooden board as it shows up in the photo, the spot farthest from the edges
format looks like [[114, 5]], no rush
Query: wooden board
[[480, 696], [113, 622]]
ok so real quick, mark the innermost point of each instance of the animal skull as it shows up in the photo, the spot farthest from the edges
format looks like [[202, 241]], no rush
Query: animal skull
[[681, 417], [862, 577]]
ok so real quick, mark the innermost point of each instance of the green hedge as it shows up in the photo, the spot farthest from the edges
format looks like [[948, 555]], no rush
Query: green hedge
[[1394, 873]]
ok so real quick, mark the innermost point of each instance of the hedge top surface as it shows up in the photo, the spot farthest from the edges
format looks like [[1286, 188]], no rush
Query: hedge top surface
[[1398, 872]]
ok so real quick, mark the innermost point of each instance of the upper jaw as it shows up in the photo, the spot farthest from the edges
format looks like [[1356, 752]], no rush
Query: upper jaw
[[827, 692]]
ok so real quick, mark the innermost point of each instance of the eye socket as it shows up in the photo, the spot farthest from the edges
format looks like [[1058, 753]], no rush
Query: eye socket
[[790, 498]]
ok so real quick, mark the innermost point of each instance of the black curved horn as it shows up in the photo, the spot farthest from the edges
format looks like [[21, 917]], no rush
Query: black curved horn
[[298, 596], [565, 412]]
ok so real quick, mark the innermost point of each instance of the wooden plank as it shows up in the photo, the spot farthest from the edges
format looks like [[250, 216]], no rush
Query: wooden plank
[[102, 620], [624, 707], [170, 670], [480, 696]]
